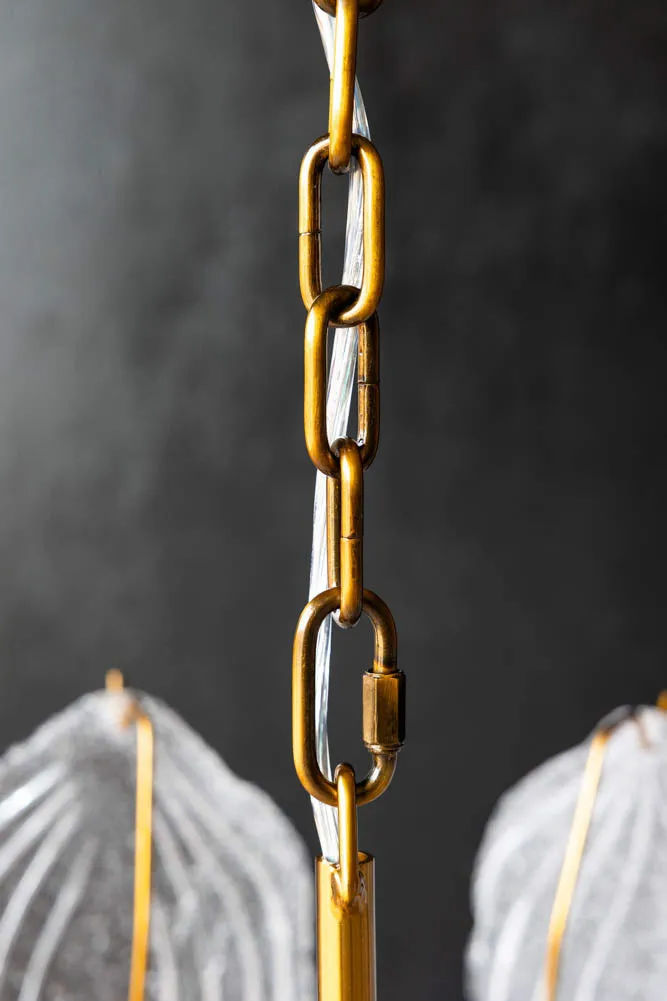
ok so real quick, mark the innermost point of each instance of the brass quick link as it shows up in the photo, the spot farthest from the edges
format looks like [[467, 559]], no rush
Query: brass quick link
[[320, 316], [365, 6], [304, 744], [345, 531], [344, 71], [368, 296]]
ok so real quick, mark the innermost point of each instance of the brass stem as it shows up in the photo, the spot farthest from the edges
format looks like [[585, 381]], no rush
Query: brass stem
[[346, 935]]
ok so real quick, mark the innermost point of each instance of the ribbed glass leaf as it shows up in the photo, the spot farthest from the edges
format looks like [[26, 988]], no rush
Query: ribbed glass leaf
[[231, 907], [615, 947]]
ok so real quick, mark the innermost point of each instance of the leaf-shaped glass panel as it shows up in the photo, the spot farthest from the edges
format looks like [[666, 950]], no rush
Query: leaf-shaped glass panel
[[231, 905], [615, 944]]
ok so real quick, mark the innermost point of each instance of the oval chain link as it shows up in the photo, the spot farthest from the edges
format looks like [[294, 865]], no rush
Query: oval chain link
[[367, 298], [320, 315]]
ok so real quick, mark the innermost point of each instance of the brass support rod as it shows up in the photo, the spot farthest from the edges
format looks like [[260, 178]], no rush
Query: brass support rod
[[576, 846], [143, 851], [143, 836]]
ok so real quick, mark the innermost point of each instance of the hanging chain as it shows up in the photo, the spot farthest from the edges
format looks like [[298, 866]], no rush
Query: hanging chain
[[345, 891]]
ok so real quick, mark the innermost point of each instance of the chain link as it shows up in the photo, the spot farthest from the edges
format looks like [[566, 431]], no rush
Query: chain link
[[341, 103], [368, 296], [327, 305]]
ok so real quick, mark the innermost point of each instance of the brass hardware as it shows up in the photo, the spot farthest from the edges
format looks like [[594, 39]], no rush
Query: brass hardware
[[341, 103], [347, 880], [333, 531], [345, 892], [346, 937], [310, 235], [303, 696], [320, 315], [384, 711], [365, 6], [368, 388], [350, 486], [315, 376]]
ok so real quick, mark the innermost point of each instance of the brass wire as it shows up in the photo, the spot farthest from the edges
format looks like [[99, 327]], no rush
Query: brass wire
[[143, 857], [143, 838], [574, 855], [576, 847]]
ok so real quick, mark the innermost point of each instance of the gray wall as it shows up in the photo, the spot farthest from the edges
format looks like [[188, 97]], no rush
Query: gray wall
[[156, 495]]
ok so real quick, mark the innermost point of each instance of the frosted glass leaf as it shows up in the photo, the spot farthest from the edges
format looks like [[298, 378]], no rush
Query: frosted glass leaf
[[231, 907], [615, 947]]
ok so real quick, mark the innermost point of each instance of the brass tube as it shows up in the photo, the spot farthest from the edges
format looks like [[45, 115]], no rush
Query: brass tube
[[346, 935]]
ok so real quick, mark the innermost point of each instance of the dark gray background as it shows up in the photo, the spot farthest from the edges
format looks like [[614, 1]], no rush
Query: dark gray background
[[156, 495]]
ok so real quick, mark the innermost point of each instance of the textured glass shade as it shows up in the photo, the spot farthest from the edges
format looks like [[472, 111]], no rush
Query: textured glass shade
[[231, 908], [615, 944]]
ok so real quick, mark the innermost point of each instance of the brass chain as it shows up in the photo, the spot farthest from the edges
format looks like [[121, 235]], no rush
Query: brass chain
[[344, 463]]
